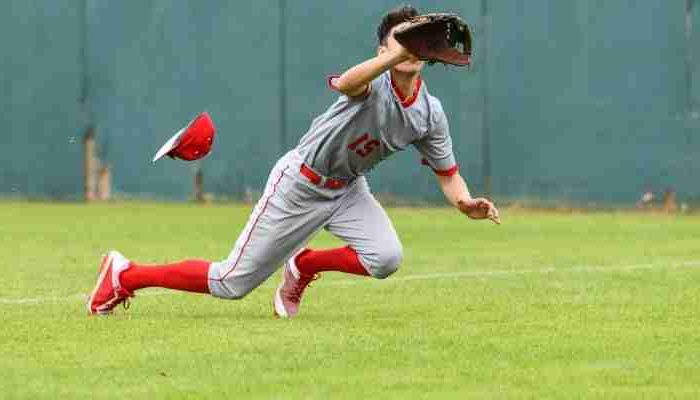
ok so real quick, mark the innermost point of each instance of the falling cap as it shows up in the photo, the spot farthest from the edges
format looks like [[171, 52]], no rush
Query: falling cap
[[191, 142]]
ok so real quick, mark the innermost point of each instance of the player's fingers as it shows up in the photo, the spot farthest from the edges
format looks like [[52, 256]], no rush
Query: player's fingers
[[493, 215], [485, 204]]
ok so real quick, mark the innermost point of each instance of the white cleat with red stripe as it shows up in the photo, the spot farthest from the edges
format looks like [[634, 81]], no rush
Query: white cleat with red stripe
[[108, 292], [288, 295]]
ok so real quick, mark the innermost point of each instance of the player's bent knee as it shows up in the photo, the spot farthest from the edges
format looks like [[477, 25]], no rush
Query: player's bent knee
[[235, 296], [384, 271], [387, 262], [219, 289], [229, 294]]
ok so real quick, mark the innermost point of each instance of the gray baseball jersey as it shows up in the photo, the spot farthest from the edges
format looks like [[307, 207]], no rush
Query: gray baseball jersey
[[345, 142], [355, 134]]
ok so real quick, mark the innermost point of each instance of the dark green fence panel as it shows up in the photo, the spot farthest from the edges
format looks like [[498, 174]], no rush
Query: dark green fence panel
[[40, 88], [590, 97]]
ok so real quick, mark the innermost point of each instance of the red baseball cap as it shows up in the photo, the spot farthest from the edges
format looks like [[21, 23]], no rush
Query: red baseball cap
[[191, 142]]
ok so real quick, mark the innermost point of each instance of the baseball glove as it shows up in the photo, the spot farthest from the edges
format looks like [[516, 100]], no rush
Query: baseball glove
[[440, 37]]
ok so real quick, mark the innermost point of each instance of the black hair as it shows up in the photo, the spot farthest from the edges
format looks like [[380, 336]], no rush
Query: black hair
[[393, 18]]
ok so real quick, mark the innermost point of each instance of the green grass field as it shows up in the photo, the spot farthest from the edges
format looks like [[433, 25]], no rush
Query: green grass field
[[545, 306]]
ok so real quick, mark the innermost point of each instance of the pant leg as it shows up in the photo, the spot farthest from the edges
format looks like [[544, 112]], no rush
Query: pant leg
[[284, 219], [360, 221]]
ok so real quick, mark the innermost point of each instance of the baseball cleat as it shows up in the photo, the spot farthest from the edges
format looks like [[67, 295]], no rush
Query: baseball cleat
[[288, 295], [108, 292]]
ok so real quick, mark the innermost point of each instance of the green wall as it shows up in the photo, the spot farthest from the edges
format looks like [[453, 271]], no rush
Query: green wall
[[588, 99], [40, 90]]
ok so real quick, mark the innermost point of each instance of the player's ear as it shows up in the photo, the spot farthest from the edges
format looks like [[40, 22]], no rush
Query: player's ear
[[381, 49]]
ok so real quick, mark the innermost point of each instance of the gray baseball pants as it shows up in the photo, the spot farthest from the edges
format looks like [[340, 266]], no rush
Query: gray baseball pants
[[287, 216]]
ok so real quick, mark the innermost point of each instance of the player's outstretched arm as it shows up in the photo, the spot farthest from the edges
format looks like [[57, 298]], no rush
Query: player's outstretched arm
[[355, 81], [457, 193]]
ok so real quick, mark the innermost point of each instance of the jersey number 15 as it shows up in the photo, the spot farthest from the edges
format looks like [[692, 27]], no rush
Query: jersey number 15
[[369, 146]]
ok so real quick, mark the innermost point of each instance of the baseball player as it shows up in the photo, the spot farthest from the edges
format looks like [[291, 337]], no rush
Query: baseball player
[[384, 107]]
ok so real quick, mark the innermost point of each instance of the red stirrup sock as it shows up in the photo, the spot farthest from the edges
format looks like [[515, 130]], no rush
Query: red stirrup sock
[[188, 275], [343, 259]]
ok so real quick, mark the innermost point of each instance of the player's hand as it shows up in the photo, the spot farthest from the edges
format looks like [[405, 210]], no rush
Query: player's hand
[[479, 208], [405, 54]]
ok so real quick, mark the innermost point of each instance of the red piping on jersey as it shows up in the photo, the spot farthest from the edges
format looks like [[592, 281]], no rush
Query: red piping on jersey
[[332, 86], [407, 101], [442, 172], [250, 233], [448, 172]]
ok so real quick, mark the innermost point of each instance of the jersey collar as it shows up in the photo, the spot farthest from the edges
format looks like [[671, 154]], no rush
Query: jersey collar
[[407, 101]]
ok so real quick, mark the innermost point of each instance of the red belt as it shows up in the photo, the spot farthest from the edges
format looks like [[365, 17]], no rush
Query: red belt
[[322, 181]]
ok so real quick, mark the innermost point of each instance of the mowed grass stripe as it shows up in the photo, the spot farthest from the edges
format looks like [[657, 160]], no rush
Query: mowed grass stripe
[[671, 264]]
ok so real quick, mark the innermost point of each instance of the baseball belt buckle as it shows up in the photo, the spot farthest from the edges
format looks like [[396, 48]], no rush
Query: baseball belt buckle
[[332, 183]]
